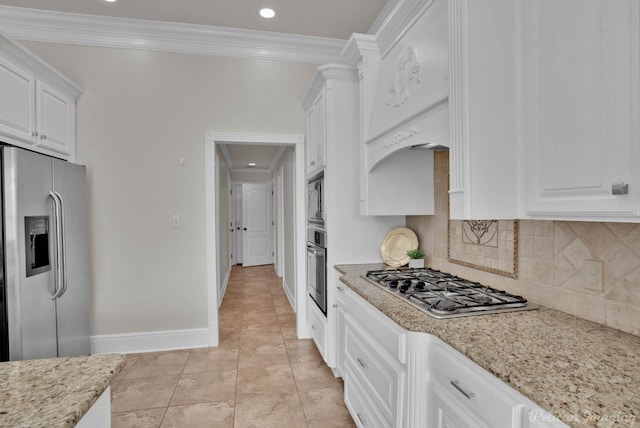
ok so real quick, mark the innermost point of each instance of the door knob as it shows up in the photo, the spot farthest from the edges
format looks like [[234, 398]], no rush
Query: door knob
[[245, 228]]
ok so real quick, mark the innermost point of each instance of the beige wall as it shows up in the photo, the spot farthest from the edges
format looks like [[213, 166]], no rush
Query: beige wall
[[550, 255], [223, 182], [141, 112], [288, 162]]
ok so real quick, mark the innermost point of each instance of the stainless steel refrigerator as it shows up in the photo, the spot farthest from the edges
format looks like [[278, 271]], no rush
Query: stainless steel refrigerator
[[44, 290]]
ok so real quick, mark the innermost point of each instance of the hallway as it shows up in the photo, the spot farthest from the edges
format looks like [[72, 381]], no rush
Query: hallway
[[261, 375]]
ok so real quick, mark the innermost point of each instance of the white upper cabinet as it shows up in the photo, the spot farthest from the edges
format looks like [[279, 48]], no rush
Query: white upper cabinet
[[544, 107], [56, 120], [404, 88], [317, 133], [581, 112], [37, 106], [483, 156], [17, 103]]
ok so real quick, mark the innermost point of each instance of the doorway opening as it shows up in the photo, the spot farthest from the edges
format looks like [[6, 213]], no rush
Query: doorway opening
[[219, 199]]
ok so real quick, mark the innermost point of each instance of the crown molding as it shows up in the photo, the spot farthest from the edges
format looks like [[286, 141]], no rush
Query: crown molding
[[92, 30], [398, 20], [324, 73]]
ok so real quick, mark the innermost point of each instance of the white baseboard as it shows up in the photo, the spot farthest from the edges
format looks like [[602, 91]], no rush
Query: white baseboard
[[150, 341], [292, 299]]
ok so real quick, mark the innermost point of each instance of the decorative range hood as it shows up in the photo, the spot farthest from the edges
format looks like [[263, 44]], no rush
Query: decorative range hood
[[404, 105]]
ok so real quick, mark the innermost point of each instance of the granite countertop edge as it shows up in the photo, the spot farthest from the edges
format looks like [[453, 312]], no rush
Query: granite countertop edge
[[583, 373], [54, 392]]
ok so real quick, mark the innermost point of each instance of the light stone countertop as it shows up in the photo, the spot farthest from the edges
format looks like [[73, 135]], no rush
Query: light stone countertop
[[53, 392], [584, 373]]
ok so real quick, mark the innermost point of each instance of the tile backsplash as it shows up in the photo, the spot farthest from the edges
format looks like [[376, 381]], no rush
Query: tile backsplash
[[551, 256]]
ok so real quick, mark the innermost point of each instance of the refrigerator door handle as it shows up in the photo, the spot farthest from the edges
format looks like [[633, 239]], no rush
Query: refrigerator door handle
[[63, 246], [58, 249]]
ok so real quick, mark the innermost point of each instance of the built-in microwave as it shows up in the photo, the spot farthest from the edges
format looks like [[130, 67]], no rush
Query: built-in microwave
[[315, 199]]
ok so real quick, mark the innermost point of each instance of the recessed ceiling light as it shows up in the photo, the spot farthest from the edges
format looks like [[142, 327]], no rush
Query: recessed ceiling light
[[111, 1], [267, 13], [252, 164]]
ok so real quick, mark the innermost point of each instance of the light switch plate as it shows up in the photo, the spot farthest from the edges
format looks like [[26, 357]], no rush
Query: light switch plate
[[175, 221]]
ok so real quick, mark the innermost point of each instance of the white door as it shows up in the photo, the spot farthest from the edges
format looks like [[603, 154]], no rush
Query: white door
[[257, 230]]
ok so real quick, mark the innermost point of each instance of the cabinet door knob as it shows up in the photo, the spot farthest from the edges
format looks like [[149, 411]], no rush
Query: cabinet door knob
[[34, 133], [43, 137], [619, 189]]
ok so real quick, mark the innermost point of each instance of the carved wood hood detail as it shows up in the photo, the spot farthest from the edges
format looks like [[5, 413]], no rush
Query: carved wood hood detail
[[404, 90], [407, 86], [409, 70]]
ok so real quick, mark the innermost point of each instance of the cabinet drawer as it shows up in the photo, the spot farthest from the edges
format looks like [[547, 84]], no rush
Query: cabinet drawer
[[475, 390], [390, 335], [318, 327], [377, 371], [361, 409]]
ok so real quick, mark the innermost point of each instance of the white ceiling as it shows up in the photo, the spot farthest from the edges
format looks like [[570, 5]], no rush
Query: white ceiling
[[321, 18], [239, 156]]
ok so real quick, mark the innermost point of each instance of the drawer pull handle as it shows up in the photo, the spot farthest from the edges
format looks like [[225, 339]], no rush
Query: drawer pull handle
[[456, 385], [340, 288], [313, 327], [362, 363], [361, 419]]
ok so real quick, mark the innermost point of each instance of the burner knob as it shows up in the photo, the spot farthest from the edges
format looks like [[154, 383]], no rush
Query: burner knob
[[404, 288], [407, 282], [393, 284], [419, 285]]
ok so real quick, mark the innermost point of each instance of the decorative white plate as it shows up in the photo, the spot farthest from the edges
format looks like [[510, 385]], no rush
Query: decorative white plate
[[396, 244]]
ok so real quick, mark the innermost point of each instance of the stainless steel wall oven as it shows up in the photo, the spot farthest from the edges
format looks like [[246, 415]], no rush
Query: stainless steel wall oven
[[317, 267]]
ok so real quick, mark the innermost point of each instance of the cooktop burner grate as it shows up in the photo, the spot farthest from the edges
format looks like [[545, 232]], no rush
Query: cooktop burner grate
[[443, 295]]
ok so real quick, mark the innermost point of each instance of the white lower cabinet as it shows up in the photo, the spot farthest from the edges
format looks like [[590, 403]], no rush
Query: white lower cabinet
[[340, 308], [472, 390], [396, 378], [358, 401], [371, 351], [318, 327], [99, 414], [377, 370]]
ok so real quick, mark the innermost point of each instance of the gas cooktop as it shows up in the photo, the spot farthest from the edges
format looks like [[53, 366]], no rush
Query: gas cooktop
[[443, 295]]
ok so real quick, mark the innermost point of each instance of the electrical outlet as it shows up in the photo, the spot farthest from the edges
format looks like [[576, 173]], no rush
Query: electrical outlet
[[175, 221], [592, 274]]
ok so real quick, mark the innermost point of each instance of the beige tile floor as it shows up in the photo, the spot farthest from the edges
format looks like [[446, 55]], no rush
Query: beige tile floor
[[261, 375]]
